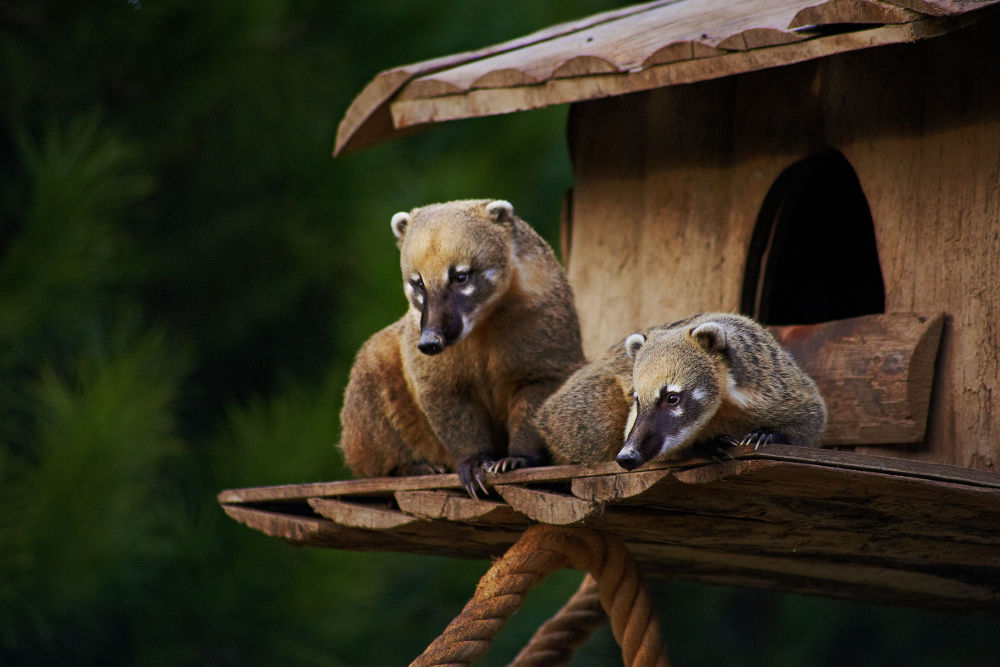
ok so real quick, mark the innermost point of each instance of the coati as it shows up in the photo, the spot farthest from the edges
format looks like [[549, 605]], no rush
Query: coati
[[491, 331], [702, 383]]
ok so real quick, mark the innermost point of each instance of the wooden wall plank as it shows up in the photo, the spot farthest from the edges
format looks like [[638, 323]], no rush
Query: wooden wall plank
[[688, 167], [928, 164]]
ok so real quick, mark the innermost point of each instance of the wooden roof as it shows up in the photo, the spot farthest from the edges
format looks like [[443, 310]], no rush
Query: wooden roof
[[636, 48], [846, 525]]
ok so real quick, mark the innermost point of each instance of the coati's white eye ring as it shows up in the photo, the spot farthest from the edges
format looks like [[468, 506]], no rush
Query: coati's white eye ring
[[673, 398]]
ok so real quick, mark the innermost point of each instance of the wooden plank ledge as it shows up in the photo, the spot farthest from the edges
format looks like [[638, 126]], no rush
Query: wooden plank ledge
[[809, 520], [550, 507]]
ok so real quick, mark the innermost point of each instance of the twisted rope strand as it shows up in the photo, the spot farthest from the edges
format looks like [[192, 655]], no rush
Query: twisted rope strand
[[543, 549], [556, 639]]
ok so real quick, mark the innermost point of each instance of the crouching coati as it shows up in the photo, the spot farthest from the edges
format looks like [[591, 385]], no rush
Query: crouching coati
[[699, 384], [491, 331]]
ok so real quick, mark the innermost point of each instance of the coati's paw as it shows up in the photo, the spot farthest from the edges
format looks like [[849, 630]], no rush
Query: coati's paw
[[470, 473], [717, 449], [508, 463]]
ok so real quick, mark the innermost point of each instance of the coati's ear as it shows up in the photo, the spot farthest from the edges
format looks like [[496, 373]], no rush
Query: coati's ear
[[399, 223], [711, 336], [633, 343], [500, 210]]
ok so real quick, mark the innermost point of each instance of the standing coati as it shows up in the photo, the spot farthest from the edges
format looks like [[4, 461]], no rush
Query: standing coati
[[490, 333], [705, 383]]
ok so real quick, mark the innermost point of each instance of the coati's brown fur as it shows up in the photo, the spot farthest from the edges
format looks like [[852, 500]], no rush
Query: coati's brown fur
[[490, 333], [708, 381]]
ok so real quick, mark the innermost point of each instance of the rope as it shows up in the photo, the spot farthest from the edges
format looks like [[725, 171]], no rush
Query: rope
[[554, 642], [543, 549]]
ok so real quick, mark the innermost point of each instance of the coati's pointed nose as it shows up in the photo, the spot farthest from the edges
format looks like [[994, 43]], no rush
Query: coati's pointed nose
[[430, 343], [628, 460]]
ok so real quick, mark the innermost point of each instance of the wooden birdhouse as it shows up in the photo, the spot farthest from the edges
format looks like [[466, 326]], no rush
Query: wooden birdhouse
[[831, 168]]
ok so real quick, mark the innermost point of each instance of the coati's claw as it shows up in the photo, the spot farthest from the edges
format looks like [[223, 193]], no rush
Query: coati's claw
[[508, 463], [757, 439], [470, 474]]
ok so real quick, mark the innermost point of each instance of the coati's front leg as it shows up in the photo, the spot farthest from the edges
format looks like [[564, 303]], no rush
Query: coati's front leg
[[463, 427], [526, 447]]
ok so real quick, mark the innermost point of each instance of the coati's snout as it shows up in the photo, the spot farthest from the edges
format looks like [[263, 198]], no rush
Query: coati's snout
[[442, 322], [656, 430]]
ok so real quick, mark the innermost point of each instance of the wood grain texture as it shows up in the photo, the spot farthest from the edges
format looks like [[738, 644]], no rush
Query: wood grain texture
[[875, 373], [853, 11], [928, 165], [841, 524], [355, 515], [411, 107], [688, 168], [452, 506], [550, 507], [942, 7], [624, 44], [367, 120]]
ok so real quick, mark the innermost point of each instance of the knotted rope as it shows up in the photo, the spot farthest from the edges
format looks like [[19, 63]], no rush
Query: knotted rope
[[543, 549]]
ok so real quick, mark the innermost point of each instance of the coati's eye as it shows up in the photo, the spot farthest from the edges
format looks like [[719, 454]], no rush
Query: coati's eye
[[460, 277], [673, 398], [417, 284]]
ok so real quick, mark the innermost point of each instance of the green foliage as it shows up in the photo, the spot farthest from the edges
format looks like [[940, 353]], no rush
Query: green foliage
[[185, 276]]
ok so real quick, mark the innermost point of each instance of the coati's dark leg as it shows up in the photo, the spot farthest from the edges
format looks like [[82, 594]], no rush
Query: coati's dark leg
[[526, 447], [464, 428]]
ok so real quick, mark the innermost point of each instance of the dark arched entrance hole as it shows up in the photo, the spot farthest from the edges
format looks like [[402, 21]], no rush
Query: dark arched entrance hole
[[813, 257]]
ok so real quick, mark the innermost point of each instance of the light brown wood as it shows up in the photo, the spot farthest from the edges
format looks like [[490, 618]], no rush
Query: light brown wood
[[367, 120], [433, 538], [942, 7], [457, 506], [859, 527], [408, 109], [925, 160], [624, 44], [875, 373], [920, 140], [357, 515], [365, 486], [559, 509], [627, 43], [852, 11]]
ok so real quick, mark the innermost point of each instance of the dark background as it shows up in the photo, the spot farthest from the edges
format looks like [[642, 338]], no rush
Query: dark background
[[185, 275]]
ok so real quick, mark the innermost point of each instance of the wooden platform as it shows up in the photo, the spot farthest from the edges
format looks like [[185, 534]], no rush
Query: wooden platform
[[859, 527]]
